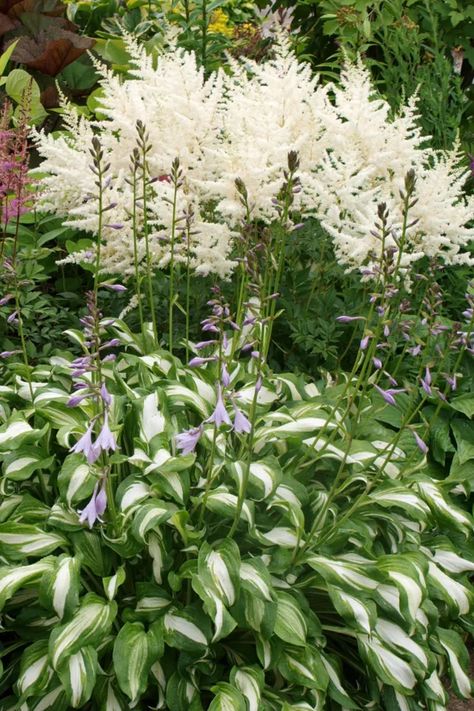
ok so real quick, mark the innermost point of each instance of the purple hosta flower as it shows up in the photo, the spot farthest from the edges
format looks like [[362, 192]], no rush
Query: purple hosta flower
[[76, 400], [115, 226], [210, 327], [468, 313], [349, 319], [225, 377], [258, 384], [451, 380], [187, 441], [13, 318], [386, 331], [380, 310], [426, 382], [391, 379], [105, 440], [96, 506], [203, 344], [220, 416], [105, 395], [421, 444], [377, 363], [242, 424], [196, 362], [85, 445], [6, 299], [115, 287], [108, 358], [415, 350], [7, 354], [364, 343], [388, 395]]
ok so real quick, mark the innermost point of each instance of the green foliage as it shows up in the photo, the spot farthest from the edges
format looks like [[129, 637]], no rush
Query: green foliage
[[348, 564]]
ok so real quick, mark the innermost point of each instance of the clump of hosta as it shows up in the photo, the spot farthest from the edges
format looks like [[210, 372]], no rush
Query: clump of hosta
[[292, 556]]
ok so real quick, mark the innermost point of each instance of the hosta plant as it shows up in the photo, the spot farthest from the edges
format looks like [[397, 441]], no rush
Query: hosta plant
[[214, 536]]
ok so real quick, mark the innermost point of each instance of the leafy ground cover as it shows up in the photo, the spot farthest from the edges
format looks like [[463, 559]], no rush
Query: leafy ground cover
[[236, 373]]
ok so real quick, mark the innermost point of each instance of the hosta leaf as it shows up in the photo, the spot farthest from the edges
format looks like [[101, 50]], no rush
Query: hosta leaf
[[394, 495], [152, 600], [35, 672], [55, 698], [93, 555], [304, 668], [451, 562], [357, 611], [13, 578], [181, 396], [223, 503], [281, 536], [394, 636], [407, 575], [256, 579], [219, 567], [455, 594], [76, 480], [20, 464], [227, 698], [16, 433], [389, 667], [152, 421], [60, 587], [458, 661], [335, 689], [112, 583], [250, 682], [90, 623], [446, 511], [290, 623], [344, 573], [214, 607], [150, 515], [134, 653], [78, 675], [183, 631], [131, 492], [181, 694], [20, 540], [264, 477]]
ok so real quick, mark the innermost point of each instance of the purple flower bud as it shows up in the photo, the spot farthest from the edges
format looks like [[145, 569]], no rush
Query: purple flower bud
[[415, 350], [422, 445], [114, 226], [105, 395], [115, 287], [13, 317], [203, 344], [377, 363], [427, 376], [6, 299], [113, 343], [349, 319], [7, 354], [451, 380], [364, 343], [388, 395], [109, 358], [225, 377], [386, 331], [196, 362], [258, 384], [77, 399]]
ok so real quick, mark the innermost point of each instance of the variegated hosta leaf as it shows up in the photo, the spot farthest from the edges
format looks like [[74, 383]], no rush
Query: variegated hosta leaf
[[17, 432], [408, 574], [60, 587], [218, 568], [134, 653], [19, 540], [263, 477], [152, 600], [458, 658], [181, 396], [452, 515], [401, 643], [281, 536], [35, 672], [111, 584], [184, 631], [335, 688], [458, 596], [345, 573], [131, 492], [76, 479], [181, 693], [290, 623], [150, 515], [23, 462], [152, 421], [390, 668], [13, 578], [357, 611], [221, 502], [250, 682], [78, 675], [90, 623], [227, 698], [304, 668], [255, 578]]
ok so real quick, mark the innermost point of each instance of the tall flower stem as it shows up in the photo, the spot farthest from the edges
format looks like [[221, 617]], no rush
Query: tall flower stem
[[135, 166], [175, 177]]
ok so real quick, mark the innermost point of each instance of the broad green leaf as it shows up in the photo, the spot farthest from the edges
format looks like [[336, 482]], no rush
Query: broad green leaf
[[458, 658], [227, 698], [357, 611], [35, 672], [458, 597], [111, 584], [13, 578], [78, 675], [20, 464], [90, 623], [221, 502], [290, 623], [219, 567], [396, 637], [250, 682], [344, 573], [5, 57], [17, 432], [76, 481], [304, 668], [183, 632], [134, 653], [256, 579], [60, 587], [448, 512], [150, 515], [389, 667], [19, 540]]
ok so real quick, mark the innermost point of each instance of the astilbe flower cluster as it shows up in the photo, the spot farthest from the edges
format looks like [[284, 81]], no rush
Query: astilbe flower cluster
[[353, 155], [90, 387], [14, 165]]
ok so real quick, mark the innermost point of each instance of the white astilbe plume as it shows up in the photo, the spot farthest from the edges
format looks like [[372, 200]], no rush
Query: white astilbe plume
[[369, 157], [353, 156], [269, 109]]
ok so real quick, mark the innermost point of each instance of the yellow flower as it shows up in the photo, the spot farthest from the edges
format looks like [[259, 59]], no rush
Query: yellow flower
[[220, 23]]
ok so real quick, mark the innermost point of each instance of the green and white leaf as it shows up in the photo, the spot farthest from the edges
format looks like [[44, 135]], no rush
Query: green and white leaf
[[78, 675]]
